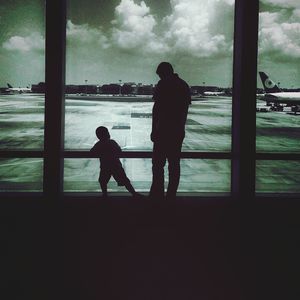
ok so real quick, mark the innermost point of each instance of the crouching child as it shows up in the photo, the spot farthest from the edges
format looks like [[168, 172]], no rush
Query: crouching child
[[109, 152]]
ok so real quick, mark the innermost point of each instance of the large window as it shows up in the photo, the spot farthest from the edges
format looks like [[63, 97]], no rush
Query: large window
[[197, 175], [112, 50], [111, 59], [22, 56], [278, 95]]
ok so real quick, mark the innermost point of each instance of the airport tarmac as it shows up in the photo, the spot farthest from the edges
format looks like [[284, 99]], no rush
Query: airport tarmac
[[208, 128]]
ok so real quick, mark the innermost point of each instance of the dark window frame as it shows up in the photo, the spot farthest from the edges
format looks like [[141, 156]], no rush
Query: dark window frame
[[243, 153]]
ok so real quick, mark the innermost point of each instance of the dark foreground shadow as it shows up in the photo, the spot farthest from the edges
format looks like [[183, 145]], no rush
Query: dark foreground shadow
[[88, 249]]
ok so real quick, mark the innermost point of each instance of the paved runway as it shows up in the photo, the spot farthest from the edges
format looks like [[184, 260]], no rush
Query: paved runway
[[208, 129]]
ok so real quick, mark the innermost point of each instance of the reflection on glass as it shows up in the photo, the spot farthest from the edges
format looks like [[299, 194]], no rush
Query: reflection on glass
[[278, 176], [205, 175], [113, 49], [21, 174], [278, 94]]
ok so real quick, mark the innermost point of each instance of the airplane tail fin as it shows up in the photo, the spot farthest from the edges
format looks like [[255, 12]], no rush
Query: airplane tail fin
[[9, 86], [269, 85]]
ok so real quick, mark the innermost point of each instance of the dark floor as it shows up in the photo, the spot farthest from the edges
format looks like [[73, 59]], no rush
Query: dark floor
[[124, 249]]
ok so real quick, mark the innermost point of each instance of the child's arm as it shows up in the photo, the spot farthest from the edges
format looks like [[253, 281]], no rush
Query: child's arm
[[95, 149], [116, 148]]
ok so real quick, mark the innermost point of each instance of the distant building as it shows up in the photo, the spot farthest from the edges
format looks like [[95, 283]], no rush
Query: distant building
[[82, 89], [260, 91], [197, 90], [228, 91], [130, 83], [145, 90], [5, 91], [128, 89], [290, 89], [39, 88], [112, 89], [211, 88]]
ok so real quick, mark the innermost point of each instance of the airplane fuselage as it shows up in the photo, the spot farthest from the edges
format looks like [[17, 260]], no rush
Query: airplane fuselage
[[289, 98], [214, 93], [19, 90]]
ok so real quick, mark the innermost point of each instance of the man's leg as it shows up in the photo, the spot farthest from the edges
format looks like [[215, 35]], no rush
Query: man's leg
[[174, 177], [158, 163], [174, 168]]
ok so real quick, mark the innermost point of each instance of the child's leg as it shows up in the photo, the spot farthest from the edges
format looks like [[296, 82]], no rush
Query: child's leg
[[103, 180], [103, 186], [130, 188], [121, 178]]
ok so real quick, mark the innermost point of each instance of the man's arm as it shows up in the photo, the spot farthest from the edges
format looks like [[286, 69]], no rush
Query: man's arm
[[156, 110], [154, 121], [188, 93]]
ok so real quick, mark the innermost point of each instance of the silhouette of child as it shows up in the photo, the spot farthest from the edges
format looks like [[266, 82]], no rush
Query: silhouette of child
[[108, 152]]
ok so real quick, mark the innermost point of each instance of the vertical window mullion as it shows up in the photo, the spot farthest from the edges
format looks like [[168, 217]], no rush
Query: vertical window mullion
[[244, 98], [54, 98]]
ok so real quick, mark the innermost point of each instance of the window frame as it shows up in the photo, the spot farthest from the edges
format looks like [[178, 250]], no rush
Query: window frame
[[243, 153]]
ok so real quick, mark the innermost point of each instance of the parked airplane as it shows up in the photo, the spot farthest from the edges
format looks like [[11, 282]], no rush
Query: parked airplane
[[214, 93], [18, 90], [275, 97]]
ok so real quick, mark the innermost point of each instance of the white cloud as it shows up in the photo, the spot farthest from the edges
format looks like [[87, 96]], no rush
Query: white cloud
[[35, 41], [296, 15], [190, 27], [77, 35], [129, 8], [278, 35], [229, 2], [193, 28], [186, 30], [134, 28], [84, 34], [283, 3]]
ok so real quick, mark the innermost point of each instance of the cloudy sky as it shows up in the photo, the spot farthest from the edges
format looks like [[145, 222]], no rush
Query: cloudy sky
[[112, 40]]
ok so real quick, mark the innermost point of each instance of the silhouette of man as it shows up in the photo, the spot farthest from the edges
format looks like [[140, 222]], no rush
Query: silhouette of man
[[171, 101]]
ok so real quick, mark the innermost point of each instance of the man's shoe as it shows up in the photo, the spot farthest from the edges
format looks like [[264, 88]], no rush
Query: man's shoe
[[137, 195], [157, 197]]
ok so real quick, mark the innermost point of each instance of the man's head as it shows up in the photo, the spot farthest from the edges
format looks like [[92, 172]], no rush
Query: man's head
[[164, 70], [102, 133]]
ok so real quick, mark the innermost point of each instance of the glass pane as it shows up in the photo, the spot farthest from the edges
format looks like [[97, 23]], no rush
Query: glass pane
[[278, 94], [22, 56], [113, 49], [197, 175], [278, 176], [21, 174], [130, 124]]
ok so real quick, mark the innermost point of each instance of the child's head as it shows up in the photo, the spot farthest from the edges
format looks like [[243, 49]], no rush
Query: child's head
[[102, 133]]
